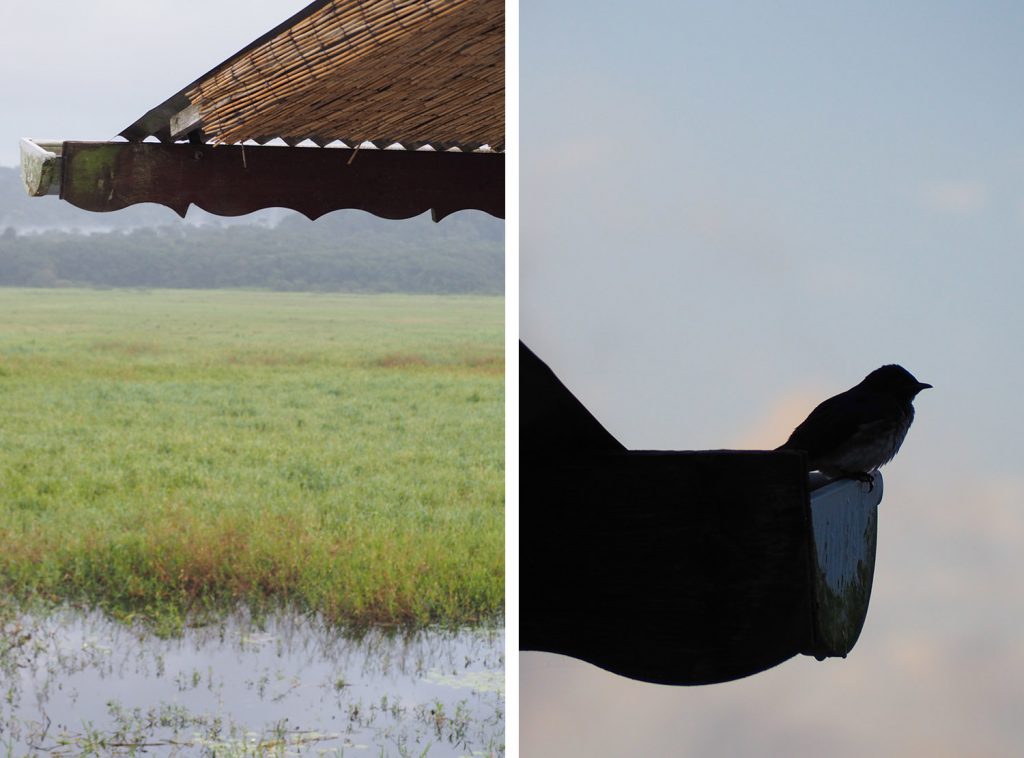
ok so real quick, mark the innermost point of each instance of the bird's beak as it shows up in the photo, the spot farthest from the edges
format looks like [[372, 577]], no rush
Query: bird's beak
[[923, 386]]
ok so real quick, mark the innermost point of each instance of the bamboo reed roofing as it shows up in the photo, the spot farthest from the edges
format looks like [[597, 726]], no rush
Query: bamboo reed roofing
[[415, 72]]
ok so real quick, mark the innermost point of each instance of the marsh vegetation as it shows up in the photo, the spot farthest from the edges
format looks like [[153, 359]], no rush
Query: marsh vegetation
[[169, 453], [186, 473]]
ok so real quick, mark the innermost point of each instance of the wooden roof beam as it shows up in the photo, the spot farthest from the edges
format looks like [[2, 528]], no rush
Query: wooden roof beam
[[231, 180], [184, 122], [41, 166]]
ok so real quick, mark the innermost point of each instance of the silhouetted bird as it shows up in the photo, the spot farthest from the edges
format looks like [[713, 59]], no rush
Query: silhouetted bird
[[854, 433]]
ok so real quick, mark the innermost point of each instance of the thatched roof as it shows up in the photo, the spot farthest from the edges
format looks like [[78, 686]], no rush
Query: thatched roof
[[415, 72]]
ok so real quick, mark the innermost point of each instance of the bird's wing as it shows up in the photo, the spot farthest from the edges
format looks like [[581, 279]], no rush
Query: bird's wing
[[838, 419]]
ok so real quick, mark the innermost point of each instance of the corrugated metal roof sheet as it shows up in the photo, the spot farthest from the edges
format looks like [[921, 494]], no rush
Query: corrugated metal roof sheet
[[415, 72]]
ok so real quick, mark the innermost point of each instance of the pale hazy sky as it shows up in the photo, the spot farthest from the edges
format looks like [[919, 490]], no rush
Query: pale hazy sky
[[86, 70], [730, 211]]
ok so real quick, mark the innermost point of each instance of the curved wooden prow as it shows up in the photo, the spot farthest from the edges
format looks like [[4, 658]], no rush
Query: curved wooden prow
[[680, 567]]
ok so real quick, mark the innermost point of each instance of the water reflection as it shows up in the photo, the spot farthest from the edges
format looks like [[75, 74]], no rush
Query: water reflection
[[74, 683]]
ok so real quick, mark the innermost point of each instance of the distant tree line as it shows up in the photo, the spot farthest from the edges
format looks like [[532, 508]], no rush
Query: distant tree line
[[347, 251]]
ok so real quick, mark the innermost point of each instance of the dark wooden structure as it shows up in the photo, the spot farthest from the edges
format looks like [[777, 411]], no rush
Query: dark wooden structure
[[235, 180], [391, 108], [680, 567]]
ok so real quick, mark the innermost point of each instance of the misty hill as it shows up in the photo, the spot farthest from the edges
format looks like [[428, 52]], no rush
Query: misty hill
[[49, 243]]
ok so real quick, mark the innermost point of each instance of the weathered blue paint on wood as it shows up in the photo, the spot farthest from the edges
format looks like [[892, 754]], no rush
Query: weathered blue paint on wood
[[844, 518]]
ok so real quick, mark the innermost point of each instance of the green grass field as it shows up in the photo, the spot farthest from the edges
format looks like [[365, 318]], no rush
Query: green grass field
[[168, 452]]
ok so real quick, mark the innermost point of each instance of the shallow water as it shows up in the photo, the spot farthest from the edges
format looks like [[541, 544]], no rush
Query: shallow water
[[75, 683]]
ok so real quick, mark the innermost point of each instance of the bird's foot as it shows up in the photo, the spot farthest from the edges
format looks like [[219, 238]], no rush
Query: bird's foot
[[863, 477]]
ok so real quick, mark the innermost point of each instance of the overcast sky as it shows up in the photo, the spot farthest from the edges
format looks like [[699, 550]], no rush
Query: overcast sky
[[730, 211], [85, 71]]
